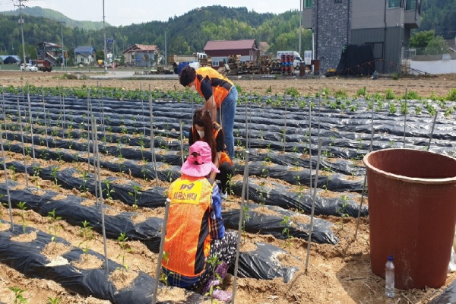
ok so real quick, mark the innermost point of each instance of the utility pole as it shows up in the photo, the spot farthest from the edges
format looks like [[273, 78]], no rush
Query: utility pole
[[104, 37], [300, 25], [166, 52], [21, 21], [61, 34]]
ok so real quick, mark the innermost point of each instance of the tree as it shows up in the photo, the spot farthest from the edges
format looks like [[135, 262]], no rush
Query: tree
[[436, 46], [421, 39]]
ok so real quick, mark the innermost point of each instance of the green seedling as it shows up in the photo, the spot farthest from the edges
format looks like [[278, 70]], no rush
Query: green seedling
[[54, 171], [164, 276], [108, 189], [19, 298], [55, 300], [136, 192], [246, 217], [122, 241], [13, 172], [23, 207], [85, 178], [55, 227], [87, 234], [286, 221], [214, 262]]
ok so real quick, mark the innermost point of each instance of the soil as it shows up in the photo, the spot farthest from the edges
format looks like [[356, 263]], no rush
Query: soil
[[336, 273], [424, 86]]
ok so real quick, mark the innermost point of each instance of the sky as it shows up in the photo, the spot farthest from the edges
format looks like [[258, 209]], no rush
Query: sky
[[126, 12]]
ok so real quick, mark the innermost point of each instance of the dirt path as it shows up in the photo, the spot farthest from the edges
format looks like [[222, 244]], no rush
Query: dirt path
[[423, 86]]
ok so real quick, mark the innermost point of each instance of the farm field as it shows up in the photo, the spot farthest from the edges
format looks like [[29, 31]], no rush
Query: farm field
[[54, 142]]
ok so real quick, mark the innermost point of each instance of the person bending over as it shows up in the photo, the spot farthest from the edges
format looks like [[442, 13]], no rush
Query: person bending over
[[219, 93], [204, 129]]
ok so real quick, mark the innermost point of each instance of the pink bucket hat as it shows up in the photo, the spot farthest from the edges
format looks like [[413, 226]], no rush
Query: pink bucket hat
[[199, 162]]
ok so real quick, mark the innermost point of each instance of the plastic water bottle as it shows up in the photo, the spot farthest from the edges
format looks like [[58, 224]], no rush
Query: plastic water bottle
[[389, 278]]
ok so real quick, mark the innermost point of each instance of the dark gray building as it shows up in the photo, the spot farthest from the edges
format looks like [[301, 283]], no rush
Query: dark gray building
[[384, 24]]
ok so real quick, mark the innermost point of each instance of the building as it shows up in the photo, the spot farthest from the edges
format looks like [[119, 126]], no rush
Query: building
[[141, 55], [383, 24], [219, 50], [85, 55], [49, 51]]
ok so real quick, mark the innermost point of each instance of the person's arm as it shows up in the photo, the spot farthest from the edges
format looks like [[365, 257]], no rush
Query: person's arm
[[209, 105], [216, 226], [216, 162]]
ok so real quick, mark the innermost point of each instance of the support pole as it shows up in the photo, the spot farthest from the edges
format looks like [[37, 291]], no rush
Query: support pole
[[309, 240], [432, 130], [160, 254]]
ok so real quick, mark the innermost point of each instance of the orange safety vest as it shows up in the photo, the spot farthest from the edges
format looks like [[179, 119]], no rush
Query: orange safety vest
[[223, 157], [188, 241], [219, 92]]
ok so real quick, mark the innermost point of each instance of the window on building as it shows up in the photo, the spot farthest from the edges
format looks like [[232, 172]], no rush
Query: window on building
[[337, 1], [215, 63], [307, 3], [410, 5], [394, 3]]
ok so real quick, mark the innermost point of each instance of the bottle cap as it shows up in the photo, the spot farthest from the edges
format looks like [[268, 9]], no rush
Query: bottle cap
[[390, 258]]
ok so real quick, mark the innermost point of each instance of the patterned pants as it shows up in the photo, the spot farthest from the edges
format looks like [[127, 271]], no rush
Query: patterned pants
[[225, 250]]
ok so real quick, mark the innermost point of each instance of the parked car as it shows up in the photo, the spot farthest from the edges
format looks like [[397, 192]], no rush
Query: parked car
[[29, 68]]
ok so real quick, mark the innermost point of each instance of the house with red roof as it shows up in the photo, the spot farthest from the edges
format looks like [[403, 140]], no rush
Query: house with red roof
[[219, 50]]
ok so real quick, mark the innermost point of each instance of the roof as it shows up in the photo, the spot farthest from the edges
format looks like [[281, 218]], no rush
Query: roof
[[49, 44], [218, 45], [84, 50], [3, 57], [141, 47]]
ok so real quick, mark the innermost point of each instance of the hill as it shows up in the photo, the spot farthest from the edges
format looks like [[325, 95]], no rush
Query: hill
[[184, 34], [37, 11]]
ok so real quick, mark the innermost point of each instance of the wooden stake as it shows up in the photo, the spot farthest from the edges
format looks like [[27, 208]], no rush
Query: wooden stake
[[160, 253]]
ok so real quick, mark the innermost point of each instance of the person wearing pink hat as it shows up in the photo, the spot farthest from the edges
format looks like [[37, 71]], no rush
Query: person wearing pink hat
[[195, 231]]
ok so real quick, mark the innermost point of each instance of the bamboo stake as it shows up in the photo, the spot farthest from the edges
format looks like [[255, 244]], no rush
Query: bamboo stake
[[45, 119], [101, 205], [432, 130], [142, 108], [96, 161], [88, 132], [152, 140], [160, 254], [22, 141], [6, 179], [60, 109], [284, 138], [31, 125], [64, 123], [247, 142], [245, 189], [405, 115], [310, 144], [4, 109], [181, 141], [365, 177], [313, 206], [103, 121]]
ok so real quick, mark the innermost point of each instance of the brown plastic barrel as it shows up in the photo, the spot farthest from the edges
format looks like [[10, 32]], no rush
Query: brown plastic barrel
[[412, 214]]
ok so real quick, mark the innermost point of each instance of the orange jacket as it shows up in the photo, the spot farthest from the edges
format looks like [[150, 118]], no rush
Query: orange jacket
[[187, 241], [224, 157], [221, 86]]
